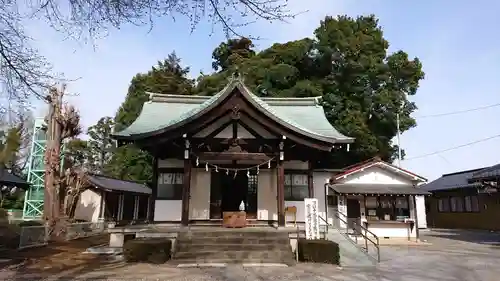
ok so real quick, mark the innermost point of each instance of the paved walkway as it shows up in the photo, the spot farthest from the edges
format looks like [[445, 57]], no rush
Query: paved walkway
[[453, 256]]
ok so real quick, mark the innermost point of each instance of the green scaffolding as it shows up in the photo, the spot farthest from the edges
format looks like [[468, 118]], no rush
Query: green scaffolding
[[33, 200]]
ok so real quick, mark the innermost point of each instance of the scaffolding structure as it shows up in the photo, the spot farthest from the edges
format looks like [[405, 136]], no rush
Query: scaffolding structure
[[33, 200]]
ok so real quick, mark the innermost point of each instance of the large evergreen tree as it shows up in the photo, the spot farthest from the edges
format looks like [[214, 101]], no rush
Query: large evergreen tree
[[366, 87], [168, 77], [230, 52], [10, 142], [100, 144], [92, 155], [347, 63], [363, 87]]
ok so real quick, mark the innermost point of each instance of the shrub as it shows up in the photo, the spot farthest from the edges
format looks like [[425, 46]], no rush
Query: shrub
[[4, 215], [30, 223], [147, 250], [9, 235], [321, 251]]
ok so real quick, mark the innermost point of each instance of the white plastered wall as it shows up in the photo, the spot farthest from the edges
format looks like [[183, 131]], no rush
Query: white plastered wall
[[168, 210], [88, 206], [267, 193], [199, 205], [377, 175]]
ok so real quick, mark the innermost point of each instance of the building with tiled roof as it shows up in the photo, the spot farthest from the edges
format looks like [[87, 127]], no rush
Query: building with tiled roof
[[467, 199]]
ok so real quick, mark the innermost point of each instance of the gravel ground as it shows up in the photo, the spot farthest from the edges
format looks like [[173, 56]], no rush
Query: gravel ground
[[452, 256]]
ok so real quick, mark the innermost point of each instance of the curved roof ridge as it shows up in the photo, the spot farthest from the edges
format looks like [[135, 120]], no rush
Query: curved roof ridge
[[178, 99], [186, 107], [308, 101], [265, 106], [276, 101], [159, 96]]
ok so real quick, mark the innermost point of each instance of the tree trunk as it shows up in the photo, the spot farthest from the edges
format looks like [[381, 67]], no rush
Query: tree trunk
[[57, 163], [60, 126], [52, 169], [72, 206]]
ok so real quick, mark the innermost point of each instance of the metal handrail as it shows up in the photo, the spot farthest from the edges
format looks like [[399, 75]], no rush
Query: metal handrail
[[365, 236], [297, 243], [337, 213]]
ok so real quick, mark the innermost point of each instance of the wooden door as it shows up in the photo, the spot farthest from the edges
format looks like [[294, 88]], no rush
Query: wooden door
[[216, 196], [353, 209], [251, 196], [353, 215]]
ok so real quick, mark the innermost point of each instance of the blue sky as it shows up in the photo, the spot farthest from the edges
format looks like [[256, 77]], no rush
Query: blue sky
[[456, 41]]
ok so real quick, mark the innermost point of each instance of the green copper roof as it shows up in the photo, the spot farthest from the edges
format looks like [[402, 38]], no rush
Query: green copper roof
[[304, 115]]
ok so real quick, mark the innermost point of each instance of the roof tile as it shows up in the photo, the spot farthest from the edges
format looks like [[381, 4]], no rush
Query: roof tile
[[305, 114], [451, 181]]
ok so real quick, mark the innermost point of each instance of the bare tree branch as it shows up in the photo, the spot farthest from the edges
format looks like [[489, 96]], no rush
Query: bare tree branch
[[22, 70], [25, 74]]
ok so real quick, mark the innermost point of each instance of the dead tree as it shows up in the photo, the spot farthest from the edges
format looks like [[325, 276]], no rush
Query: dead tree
[[63, 122]]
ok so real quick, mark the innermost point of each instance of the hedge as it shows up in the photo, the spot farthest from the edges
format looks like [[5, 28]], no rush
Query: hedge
[[31, 223], [156, 250], [4, 215], [320, 251], [9, 235]]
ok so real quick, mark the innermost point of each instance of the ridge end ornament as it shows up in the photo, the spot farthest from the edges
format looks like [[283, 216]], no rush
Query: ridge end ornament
[[235, 75], [235, 112]]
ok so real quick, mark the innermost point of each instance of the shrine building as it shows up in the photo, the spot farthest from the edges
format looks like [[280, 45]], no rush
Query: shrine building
[[235, 152]]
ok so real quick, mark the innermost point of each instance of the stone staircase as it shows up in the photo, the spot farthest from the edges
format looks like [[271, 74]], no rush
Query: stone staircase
[[232, 246], [351, 254]]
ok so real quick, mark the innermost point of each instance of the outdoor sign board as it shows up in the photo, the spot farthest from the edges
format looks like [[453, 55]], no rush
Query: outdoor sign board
[[311, 218]]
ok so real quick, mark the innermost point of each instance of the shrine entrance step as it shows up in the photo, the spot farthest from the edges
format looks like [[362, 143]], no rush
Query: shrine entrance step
[[219, 223], [233, 246]]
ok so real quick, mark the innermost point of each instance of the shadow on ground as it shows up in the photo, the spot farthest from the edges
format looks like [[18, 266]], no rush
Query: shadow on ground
[[59, 260], [470, 236]]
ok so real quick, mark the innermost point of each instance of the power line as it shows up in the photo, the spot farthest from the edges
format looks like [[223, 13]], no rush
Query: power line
[[460, 111], [453, 148]]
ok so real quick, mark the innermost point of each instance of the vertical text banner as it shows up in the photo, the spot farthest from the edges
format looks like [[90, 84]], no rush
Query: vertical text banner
[[312, 218]]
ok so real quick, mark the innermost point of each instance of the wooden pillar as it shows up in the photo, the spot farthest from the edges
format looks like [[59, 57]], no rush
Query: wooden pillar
[[136, 207], [187, 182], [121, 200], [310, 183], [281, 194], [148, 210], [415, 219], [185, 192], [281, 184], [102, 209], [154, 191]]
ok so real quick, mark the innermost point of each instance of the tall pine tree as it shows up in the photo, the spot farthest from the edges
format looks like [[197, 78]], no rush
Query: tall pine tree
[[100, 144]]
